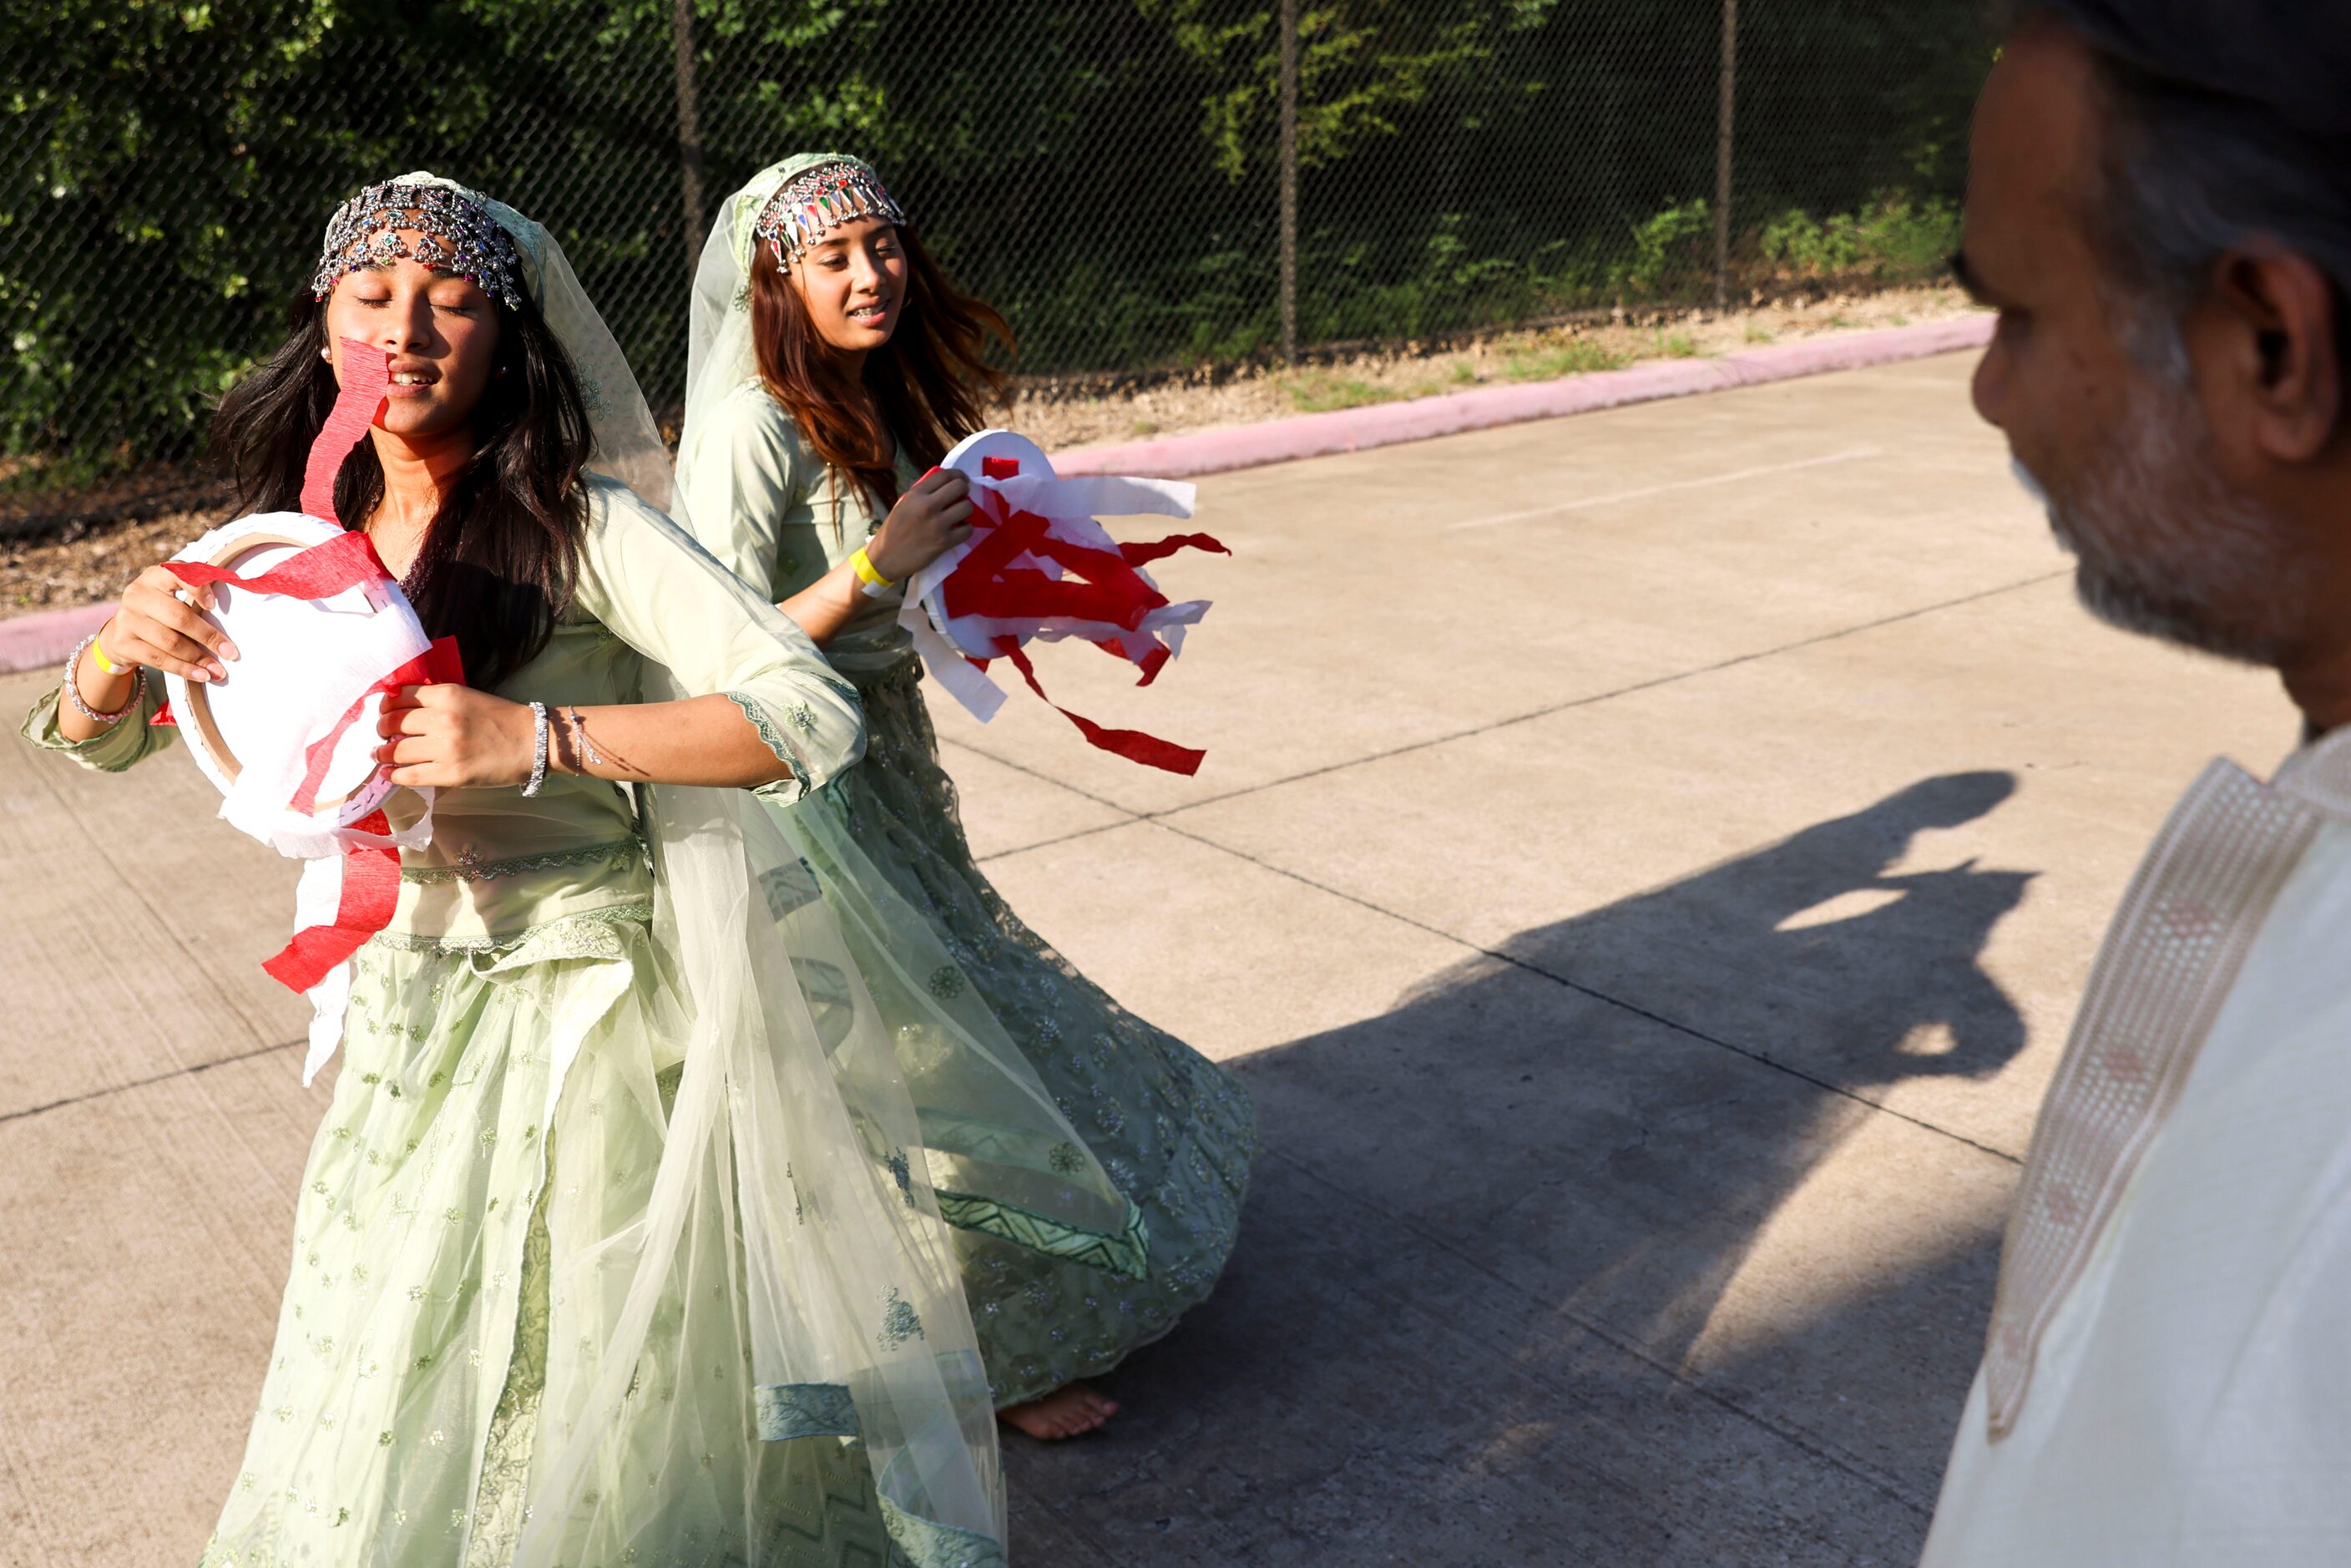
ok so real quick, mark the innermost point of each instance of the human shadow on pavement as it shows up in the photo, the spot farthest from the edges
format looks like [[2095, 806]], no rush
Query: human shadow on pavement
[[1492, 1224]]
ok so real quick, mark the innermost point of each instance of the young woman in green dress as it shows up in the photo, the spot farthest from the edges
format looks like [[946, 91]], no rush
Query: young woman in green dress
[[612, 1247], [833, 364]]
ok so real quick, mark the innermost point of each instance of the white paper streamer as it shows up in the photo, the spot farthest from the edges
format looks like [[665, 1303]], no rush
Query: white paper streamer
[[947, 643], [306, 662]]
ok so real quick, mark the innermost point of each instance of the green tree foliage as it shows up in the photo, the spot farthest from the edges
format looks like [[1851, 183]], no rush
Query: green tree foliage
[[1102, 170]]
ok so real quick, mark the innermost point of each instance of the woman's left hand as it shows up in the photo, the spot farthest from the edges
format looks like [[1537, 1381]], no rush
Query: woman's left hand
[[454, 737]]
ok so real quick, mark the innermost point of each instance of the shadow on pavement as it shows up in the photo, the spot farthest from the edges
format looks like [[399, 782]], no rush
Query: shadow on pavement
[[1493, 1223]]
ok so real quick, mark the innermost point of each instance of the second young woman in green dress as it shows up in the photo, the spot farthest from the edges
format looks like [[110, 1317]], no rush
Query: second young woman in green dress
[[833, 364]]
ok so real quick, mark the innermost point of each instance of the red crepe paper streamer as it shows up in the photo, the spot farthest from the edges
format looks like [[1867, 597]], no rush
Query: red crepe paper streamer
[[320, 571], [986, 583], [370, 893], [371, 873], [1103, 588], [1131, 744], [1150, 664], [371, 890], [366, 371], [1158, 550]]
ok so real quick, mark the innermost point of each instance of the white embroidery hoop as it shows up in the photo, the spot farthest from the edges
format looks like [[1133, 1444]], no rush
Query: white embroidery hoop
[[968, 457], [293, 655], [1072, 505]]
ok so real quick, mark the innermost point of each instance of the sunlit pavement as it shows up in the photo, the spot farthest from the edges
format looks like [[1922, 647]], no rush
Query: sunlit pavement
[[1643, 867]]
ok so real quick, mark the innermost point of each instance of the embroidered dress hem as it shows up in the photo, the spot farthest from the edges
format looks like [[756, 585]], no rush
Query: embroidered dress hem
[[1176, 1134]]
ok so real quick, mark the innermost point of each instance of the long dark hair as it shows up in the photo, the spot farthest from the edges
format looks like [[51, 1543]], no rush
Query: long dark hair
[[931, 382], [502, 557]]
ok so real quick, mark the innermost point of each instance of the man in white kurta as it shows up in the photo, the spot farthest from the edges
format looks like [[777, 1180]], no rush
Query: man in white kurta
[[2168, 1377], [2154, 210]]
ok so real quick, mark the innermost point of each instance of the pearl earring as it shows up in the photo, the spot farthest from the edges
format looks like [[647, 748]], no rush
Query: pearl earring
[[327, 356]]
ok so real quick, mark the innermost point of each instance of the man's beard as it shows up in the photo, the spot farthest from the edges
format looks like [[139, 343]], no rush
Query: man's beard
[[2163, 547]]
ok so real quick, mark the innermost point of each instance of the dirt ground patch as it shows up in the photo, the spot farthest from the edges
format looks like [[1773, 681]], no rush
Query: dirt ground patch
[[89, 562], [86, 564]]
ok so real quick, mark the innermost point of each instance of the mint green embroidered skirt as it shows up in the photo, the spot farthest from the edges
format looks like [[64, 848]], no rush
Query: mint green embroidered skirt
[[460, 1242], [1173, 1131]]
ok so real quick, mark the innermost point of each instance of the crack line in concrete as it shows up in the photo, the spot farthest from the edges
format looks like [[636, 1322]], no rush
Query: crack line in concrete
[[8, 1117], [1669, 487], [1133, 817]]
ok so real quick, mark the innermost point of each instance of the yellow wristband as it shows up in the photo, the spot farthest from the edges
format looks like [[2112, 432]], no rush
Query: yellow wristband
[[862, 565], [105, 664]]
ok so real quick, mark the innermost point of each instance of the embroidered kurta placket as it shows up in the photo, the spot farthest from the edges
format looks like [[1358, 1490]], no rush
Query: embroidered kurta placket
[[2186, 923]]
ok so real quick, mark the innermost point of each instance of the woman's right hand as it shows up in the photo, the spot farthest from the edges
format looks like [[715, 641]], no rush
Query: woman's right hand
[[155, 626], [931, 518]]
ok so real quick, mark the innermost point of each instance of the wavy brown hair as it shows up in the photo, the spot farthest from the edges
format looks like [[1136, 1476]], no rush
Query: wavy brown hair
[[502, 557], [931, 382]]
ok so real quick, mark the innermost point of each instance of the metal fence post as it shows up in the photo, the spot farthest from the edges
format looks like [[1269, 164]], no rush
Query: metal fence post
[[689, 133], [1290, 180], [1727, 96]]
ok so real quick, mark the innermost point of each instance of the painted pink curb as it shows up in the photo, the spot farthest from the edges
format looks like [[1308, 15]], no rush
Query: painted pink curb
[[1386, 424], [42, 641], [34, 642]]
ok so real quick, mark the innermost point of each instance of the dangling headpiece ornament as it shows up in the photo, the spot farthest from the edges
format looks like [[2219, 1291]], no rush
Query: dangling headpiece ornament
[[825, 198], [455, 235]]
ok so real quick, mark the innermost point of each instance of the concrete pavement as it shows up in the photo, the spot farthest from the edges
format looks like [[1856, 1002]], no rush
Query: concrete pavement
[[1645, 867]]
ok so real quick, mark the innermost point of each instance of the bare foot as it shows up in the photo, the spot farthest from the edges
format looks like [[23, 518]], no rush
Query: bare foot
[[1069, 1411]]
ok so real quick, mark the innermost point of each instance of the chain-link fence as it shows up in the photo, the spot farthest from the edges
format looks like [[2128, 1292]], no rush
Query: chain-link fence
[[1141, 185]]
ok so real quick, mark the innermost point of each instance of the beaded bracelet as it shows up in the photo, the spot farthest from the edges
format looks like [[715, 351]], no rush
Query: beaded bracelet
[[73, 691], [538, 748]]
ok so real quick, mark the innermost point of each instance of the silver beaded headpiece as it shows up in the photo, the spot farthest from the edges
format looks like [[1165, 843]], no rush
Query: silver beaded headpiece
[[825, 198], [455, 235]]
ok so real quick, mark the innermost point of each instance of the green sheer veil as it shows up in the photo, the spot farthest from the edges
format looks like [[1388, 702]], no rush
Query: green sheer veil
[[792, 1219]]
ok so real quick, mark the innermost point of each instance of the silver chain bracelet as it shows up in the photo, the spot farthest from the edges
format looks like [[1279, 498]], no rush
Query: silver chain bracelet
[[538, 749], [73, 691], [579, 738]]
